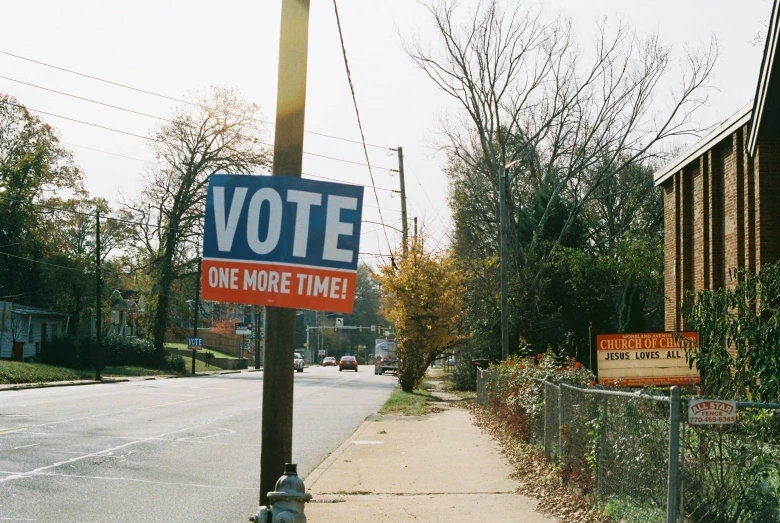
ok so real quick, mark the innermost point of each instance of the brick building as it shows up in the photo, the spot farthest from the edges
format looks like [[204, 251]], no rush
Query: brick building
[[722, 195]]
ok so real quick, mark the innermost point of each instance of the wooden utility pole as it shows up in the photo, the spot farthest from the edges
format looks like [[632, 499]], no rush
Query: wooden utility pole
[[405, 226], [276, 444], [98, 303]]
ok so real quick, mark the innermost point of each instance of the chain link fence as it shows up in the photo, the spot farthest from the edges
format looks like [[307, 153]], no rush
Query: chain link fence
[[616, 447]]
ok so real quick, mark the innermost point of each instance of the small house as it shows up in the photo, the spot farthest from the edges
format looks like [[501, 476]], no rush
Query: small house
[[126, 307], [24, 328]]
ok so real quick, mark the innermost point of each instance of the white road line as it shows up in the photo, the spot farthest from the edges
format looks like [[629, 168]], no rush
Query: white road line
[[111, 478], [37, 471], [25, 446]]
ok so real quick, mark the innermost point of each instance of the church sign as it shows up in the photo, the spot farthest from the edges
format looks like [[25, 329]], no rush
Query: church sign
[[646, 359]]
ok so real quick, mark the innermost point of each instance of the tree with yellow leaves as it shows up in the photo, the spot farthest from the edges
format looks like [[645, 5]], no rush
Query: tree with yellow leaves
[[422, 296]]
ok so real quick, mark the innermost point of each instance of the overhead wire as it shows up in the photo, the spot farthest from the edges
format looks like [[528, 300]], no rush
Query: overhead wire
[[82, 271], [161, 141], [305, 174], [360, 125], [171, 98]]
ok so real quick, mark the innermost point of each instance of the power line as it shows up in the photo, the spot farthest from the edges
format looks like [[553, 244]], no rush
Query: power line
[[82, 271], [106, 152], [171, 98], [360, 125], [90, 100], [305, 174], [161, 141], [82, 122]]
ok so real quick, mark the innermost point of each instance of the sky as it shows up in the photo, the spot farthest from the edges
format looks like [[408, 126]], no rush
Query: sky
[[175, 47]]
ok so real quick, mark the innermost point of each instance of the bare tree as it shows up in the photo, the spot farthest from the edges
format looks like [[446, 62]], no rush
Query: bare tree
[[217, 133], [560, 120]]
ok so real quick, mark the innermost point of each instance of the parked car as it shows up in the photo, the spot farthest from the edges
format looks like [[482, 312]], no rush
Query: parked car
[[349, 363], [298, 362], [330, 361]]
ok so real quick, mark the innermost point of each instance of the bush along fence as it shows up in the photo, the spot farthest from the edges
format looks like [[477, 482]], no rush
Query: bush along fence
[[635, 454]]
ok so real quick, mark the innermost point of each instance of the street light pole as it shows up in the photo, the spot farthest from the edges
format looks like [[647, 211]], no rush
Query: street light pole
[[502, 233]]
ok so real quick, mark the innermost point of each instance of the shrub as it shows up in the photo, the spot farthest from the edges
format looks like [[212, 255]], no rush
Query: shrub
[[76, 352], [464, 377], [67, 350], [132, 351], [177, 364]]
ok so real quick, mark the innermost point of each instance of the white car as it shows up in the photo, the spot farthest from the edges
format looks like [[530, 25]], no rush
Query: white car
[[298, 362]]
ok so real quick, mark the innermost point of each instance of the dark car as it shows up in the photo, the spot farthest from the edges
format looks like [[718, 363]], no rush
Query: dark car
[[349, 363], [329, 361]]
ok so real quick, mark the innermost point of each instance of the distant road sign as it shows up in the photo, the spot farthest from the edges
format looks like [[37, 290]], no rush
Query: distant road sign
[[321, 352], [194, 343], [281, 241], [243, 329]]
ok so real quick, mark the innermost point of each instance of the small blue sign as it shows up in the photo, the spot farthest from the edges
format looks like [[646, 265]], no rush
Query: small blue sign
[[194, 343]]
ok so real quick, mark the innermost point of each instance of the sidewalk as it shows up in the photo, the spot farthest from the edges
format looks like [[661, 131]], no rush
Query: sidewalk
[[435, 468]]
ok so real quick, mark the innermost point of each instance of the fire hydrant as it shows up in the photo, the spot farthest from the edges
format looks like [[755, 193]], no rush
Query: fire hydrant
[[286, 502]]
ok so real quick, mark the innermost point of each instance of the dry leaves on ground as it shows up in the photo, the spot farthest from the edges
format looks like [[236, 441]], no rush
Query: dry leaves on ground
[[537, 477]]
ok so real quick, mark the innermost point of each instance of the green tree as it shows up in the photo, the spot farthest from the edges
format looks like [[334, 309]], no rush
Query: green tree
[[217, 134], [632, 318], [33, 168]]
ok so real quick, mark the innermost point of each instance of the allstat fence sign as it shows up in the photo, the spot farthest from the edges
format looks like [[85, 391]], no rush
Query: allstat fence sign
[[281, 241], [645, 359], [712, 412]]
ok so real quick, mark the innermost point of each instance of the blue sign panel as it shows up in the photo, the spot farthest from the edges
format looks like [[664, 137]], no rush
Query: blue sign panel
[[281, 241]]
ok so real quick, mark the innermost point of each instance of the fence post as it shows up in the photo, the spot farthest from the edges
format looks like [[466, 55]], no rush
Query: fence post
[[560, 422], [602, 449], [546, 421], [674, 455]]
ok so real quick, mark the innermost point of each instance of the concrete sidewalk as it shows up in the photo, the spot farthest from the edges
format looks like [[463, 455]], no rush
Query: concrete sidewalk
[[434, 468]]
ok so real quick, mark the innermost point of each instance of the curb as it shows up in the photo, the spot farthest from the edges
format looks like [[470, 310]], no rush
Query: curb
[[26, 386]]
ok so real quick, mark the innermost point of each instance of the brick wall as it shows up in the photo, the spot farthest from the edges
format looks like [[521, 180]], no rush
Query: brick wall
[[721, 211]]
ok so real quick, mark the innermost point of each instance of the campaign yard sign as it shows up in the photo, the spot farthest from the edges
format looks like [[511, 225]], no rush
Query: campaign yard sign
[[645, 359], [281, 241]]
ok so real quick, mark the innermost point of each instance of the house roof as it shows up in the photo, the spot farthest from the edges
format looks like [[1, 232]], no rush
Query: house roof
[[767, 99], [763, 112], [33, 311], [723, 130]]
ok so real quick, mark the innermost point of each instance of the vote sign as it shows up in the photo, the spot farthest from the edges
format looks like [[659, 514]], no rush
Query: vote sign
[[281, 241], [195, 343]]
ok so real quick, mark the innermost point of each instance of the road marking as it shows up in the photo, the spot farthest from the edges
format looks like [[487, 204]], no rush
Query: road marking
[[25, 446], [112, 478], [109, 451]]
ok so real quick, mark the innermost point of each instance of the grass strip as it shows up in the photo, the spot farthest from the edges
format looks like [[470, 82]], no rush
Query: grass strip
[[12, 372], [414, 403]]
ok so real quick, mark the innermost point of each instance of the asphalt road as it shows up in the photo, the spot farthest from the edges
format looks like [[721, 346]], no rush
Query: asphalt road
[[174, 450]]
